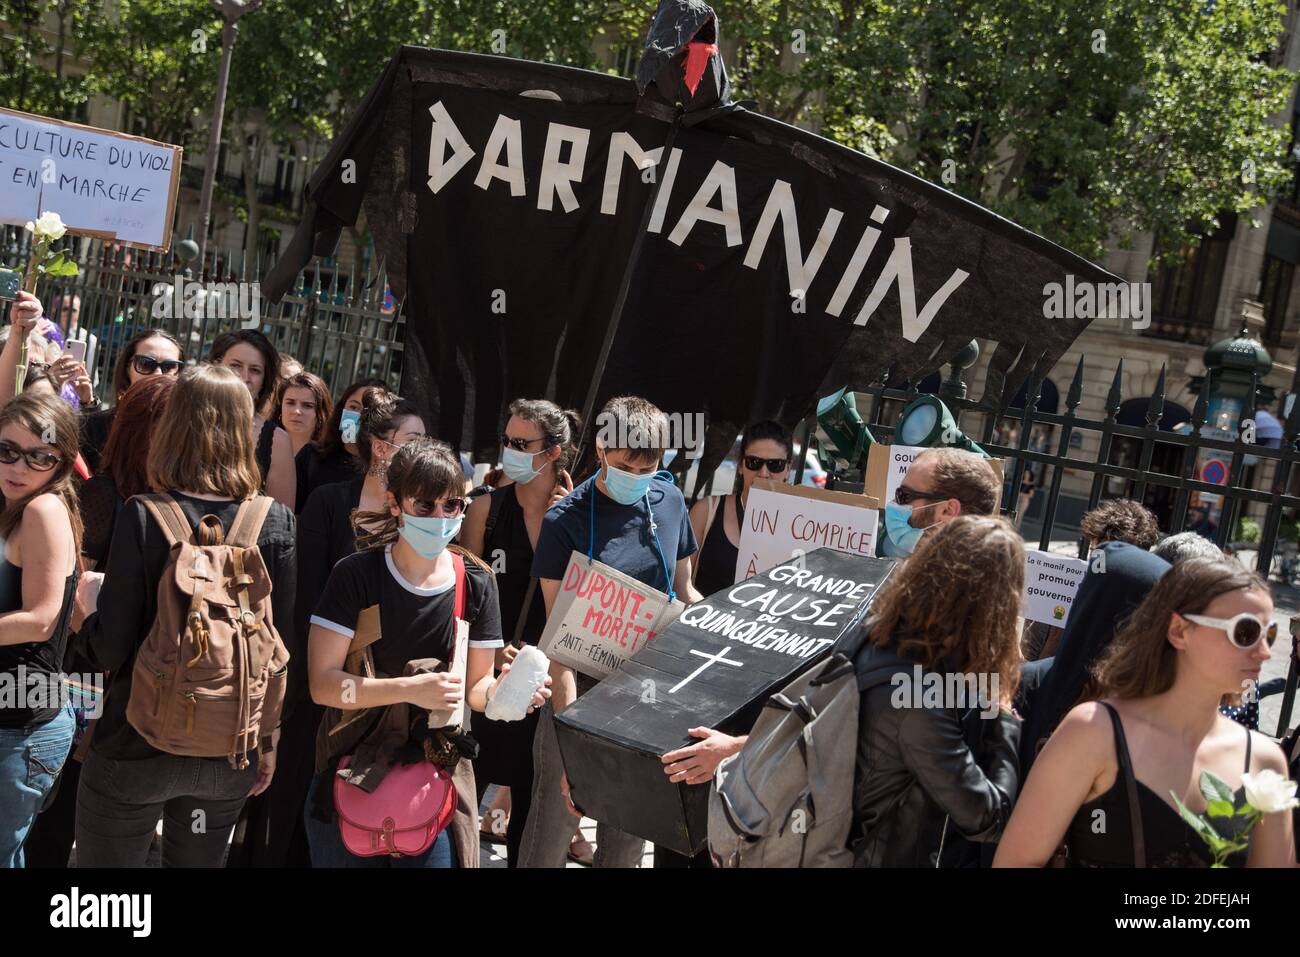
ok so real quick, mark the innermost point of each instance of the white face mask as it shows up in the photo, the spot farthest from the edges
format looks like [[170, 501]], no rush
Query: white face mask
[[518, 466]]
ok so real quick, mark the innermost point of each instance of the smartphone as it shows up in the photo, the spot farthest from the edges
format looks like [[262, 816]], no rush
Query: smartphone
[[76, 348], [10, 282]]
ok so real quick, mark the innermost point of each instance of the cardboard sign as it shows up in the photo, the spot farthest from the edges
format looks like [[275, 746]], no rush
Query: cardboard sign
[[786, 521], [714, 667], [456, 716], [1051, 582], [602, 617], [101, 183], [887, 466]]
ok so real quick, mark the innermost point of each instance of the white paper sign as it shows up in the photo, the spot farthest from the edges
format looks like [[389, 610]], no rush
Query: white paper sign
[[602, 617], [459, 659], [901, 458], [100, 183], [1051, 582], [782, 522]]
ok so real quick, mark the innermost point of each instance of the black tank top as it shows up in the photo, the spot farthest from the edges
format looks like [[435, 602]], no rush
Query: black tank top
[[32, 671], [263, 451], [1168, 840], [717, 559], [507, 549]]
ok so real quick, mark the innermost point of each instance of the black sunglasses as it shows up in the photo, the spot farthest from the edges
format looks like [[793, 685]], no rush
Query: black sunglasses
[[754, 463], [519, 445], [38, 460], [148, 365], [906, 496], [450, 509]]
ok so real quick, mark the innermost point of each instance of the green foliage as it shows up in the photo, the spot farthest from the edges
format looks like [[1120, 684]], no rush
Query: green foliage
[[1248, 530]]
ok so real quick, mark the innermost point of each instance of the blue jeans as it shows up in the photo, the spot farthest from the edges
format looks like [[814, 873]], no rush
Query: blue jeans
[[30, 762], [327, 848]]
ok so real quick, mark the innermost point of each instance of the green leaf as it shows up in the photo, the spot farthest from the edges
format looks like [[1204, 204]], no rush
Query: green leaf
[[1199, 824], [1219, 809], [1215, 789]]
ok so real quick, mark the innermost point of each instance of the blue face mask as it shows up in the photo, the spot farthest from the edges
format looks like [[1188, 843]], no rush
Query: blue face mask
[[624, 487], [429, 536], [518, 466], [348, 423], [898, 525]]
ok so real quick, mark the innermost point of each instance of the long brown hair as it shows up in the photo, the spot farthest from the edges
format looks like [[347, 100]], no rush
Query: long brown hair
[[126, 454], [1140, 661], [319, 392], [952, 606], [45, 416], [204, 441]]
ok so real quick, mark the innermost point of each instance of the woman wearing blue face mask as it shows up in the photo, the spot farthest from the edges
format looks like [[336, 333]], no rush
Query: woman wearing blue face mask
[[334, 457], [273, 835], [538, 447], [408, 573]]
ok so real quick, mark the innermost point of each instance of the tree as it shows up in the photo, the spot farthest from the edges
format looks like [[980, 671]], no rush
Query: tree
[[34, 75]]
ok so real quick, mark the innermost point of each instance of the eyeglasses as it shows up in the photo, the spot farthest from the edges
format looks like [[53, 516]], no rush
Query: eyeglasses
[[1243, 630], [775, 466], [905, 496], [519, 445], [148, 365], [38, 460], [451, 508]]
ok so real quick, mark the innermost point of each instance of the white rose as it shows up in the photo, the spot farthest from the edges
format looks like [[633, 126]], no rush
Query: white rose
[[1269, 792], [48, 227]]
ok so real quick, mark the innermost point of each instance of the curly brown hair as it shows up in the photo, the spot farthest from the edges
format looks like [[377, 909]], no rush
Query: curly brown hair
[[1140, 661], [1121, 520], [953, 605]]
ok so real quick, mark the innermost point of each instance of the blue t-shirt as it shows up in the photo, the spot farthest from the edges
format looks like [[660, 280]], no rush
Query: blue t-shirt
[[623, 539]]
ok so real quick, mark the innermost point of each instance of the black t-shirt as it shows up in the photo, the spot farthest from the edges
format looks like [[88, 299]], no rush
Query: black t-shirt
[[415, 622]]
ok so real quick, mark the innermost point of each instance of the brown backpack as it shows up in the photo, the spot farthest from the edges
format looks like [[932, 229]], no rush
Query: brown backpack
[[211, 672]]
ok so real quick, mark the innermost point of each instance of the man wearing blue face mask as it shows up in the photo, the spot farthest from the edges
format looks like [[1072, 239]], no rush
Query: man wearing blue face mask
[[940, 485], [632, 519]]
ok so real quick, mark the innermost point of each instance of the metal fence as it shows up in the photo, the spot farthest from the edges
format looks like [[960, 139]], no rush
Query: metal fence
[[335, 323], [985, 420]]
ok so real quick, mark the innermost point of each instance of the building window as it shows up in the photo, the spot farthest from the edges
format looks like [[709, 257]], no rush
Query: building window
[[1185, 295], [1275, 293]]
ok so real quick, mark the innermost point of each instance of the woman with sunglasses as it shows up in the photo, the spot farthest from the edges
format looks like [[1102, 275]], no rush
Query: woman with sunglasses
[[1203, 632], [273, 834], [765, 450], [253, 358], [147, 353], [408, 572], [41, 532], [333, 458], [538, 446]]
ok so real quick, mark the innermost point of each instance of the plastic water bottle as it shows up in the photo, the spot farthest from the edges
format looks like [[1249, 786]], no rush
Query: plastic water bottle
[[515, 693]]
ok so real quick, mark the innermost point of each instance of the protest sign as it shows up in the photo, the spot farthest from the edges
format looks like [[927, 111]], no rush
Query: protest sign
[[101, 183], [601, 617], [1051, 582], [713, 667], [887, 466], [785, 521]]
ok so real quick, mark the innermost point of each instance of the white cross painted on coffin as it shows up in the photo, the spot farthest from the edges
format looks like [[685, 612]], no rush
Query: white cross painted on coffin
[[720, 656]]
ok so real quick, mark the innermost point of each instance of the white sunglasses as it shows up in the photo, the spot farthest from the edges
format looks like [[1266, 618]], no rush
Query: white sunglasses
[[1243, 630]]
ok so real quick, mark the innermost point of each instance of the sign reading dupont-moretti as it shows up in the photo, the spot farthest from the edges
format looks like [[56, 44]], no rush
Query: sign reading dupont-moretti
[[101, 183], [1051, 582]]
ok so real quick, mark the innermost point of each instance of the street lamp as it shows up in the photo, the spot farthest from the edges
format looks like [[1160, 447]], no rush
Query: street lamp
[[231, 11]]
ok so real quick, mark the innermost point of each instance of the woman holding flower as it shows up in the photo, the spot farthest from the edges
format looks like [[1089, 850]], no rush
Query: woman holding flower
[[1151, 774]]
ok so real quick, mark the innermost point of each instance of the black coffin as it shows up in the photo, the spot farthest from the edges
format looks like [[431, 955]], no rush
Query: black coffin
[[714, 667]]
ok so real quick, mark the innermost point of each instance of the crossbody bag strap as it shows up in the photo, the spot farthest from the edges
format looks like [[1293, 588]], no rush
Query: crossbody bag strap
[[524, 609], [1130, 783]]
